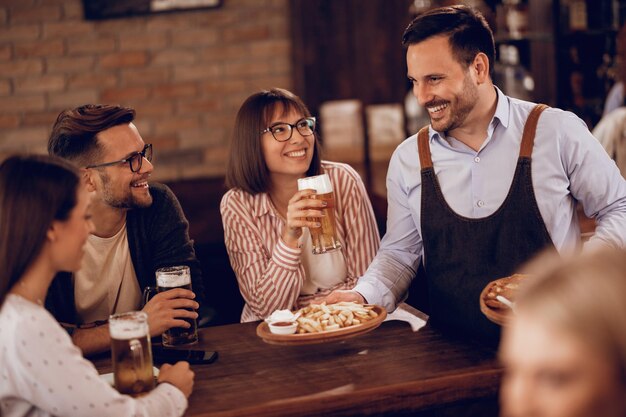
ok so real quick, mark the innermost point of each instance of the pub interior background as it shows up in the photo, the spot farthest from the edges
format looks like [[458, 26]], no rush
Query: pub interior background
[[186, 72]]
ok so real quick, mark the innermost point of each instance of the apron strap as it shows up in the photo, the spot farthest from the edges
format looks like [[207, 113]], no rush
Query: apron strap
[[423, 147], [528, 137]]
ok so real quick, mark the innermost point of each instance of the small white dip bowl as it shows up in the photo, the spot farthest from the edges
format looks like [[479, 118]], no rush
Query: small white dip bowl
[[283, 327]]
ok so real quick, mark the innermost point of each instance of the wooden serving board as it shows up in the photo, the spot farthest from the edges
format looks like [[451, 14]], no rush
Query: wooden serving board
[[264, 332]]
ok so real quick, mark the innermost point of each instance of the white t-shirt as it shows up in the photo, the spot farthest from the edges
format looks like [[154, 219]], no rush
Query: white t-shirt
[[106, 282], [43, 374], [323, 270]]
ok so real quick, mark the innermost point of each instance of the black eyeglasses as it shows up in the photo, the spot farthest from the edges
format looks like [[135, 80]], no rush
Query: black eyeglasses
[[135, 160], [282, 131]]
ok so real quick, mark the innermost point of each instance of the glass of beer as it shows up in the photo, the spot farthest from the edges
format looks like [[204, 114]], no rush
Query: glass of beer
[[167, 279], [324, 238], [131, 353]]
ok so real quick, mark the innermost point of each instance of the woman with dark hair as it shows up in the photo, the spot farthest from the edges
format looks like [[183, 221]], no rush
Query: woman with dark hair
[[45, 221], [275, 143], [565, 351]]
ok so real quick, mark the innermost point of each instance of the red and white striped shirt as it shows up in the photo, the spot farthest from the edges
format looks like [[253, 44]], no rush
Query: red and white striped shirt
[[270, 273]]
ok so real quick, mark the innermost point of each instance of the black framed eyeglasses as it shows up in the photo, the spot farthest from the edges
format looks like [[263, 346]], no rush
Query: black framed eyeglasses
[[283, 131], [135, 160]]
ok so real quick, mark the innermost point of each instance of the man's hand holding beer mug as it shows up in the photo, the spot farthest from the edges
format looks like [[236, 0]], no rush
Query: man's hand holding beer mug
[[167, 309], [171, 312]]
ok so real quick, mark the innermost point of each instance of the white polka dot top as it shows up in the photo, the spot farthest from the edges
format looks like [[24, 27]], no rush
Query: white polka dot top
[[43, 374]]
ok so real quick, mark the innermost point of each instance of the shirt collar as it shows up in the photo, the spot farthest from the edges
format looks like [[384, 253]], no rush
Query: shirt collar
[[501, 114], [502, 109]]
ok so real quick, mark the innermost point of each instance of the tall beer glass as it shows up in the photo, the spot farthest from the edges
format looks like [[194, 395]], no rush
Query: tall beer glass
[[131, 353], [168, 279], [324, 238]]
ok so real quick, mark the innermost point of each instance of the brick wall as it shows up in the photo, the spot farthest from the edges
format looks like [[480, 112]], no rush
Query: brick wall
[[186, 73]]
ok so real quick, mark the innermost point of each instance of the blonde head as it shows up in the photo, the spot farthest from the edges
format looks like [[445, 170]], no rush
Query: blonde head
[[585, 297]]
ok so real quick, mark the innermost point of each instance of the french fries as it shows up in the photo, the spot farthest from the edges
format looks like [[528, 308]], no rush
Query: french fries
[[316, 318]]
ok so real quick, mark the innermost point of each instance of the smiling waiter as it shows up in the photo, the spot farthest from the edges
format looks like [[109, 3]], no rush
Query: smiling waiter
[[492, 181]]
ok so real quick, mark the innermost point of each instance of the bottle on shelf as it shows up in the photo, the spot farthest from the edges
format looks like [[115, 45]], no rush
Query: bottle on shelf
[[578, 15], [515, 17]]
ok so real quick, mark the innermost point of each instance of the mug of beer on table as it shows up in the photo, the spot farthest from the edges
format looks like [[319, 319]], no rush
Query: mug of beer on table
[[131, 353], [167, 279], [323, 238]]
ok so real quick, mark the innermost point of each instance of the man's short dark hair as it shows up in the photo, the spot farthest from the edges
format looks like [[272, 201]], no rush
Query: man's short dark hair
[[74, 134], [467, 30]]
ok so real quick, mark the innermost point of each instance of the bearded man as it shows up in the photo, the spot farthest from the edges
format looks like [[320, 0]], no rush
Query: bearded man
[[490, 183], [139, 227]]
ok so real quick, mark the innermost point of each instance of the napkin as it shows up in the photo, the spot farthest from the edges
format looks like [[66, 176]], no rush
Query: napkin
[[403, 313]]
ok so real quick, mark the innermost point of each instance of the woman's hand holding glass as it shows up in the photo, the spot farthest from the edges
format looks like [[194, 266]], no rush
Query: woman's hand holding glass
[[301, 211], [179, 375]]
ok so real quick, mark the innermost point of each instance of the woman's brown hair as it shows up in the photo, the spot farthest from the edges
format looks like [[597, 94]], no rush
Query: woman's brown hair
[[247, 169], [35, 190]]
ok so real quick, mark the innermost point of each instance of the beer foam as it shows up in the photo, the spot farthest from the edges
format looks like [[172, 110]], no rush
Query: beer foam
[[126, 329], [173, 280], [320, 183]]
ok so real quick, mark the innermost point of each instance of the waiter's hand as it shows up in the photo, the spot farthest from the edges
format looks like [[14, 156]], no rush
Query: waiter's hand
[[300, 207], [344, 295]]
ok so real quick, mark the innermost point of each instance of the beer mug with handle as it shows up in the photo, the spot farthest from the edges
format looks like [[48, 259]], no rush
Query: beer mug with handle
[[167, 279], [131, 353], [323, 238]]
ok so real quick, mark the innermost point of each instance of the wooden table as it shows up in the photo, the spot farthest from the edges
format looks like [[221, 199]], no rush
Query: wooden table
[[390, 370]]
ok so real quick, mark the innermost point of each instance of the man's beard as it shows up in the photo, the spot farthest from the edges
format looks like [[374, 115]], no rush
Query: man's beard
[[460, 110], [128, 201]]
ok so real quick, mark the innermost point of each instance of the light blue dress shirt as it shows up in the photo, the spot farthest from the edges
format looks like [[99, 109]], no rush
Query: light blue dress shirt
[[568, 164]]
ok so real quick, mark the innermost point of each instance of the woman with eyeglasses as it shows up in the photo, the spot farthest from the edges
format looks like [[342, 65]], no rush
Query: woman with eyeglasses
[[274, 143], [564, 354], [45, 220]]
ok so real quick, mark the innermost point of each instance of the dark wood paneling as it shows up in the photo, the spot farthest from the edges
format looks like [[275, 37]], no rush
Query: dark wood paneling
[[200, 200], [349, 49]]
